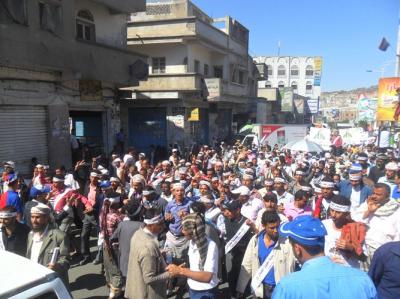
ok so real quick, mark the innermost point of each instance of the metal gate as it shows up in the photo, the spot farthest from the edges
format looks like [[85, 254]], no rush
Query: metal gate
[[147, 126], [23, 135]]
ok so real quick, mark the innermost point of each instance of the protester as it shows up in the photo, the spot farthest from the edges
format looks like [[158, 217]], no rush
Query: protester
[[300, 205], [319, 277], [47, 245], [385, 271], [13, 234], [238, 235], [11, 196], [382, 216], [147, 274], [266, 248], [202, 273], [345, 239]]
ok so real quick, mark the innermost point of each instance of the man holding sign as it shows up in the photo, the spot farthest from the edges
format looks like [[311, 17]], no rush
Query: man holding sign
[[267, 259], [238, 235]]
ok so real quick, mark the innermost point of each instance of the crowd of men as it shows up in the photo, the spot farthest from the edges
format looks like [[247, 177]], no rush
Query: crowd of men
[[269, 222]]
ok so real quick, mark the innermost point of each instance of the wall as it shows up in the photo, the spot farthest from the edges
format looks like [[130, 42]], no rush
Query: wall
[[302, 62], [110, 28]]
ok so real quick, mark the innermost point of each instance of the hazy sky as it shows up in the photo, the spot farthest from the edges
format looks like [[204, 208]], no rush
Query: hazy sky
[[346, 33]]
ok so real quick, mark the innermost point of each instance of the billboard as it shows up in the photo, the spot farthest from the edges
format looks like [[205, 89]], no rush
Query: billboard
[[286, 99], [317, 71], [366, 109], [388, 100]]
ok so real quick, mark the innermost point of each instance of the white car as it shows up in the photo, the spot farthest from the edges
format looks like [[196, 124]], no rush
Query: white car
[[22, 278]]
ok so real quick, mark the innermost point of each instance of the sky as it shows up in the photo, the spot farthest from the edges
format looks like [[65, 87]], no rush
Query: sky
[[346, 33]]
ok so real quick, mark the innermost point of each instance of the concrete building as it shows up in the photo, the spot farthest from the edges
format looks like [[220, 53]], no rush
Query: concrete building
[[61, 64], [201, 78], [296, 75]]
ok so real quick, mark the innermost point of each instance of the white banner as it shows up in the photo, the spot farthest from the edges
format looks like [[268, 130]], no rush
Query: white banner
[[236, 238]]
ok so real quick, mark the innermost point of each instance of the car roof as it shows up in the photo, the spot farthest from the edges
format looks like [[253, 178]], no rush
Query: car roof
[[17, 271]]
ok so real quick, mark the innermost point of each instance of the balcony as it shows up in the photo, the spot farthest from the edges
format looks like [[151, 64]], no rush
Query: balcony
[[188, 28], [170, 82], [219, 90], [124, 6]]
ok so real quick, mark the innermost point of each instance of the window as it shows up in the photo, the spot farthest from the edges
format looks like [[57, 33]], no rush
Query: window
[[309, 71], [50, 15], [158, 65], [281, 71], [197, 66], [13, 11], [206, 70], [294, 86], [294, 71], [281, 84], [268, 84], [241, 77], [85, 27], [309, 88], [218, 72], [270, 70]]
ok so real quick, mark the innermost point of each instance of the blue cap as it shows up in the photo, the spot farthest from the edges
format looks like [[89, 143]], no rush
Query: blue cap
[[34, 192], [105, 184], [305, 230], [12, 178]]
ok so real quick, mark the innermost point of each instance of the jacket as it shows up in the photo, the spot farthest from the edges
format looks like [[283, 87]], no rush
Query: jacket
[[284, 263], [54, 238], [345, 190], [146, 277]]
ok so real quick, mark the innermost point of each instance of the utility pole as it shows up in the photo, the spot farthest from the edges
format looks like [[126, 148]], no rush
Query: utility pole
[[398, 49]]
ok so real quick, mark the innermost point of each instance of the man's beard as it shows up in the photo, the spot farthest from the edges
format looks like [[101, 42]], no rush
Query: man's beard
[[38, 228]]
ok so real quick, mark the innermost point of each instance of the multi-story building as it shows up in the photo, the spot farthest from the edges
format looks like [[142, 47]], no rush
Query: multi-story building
[[201, 77], [296, 75], [61, 64], [301, 73]]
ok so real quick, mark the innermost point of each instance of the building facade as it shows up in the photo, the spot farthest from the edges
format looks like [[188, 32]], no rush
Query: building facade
[[201, 78], [61, 64], [298, 79]]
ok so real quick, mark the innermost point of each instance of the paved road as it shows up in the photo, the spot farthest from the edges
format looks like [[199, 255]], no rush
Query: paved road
[[87, 281]]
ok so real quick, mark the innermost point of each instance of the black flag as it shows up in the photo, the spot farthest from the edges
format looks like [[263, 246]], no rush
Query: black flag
[[384, 45]]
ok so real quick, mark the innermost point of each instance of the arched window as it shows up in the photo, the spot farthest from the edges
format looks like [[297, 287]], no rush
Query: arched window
[[268, 84], [85, 27], [281, 84], [309, 71], [309, 87], [281, 71], [294, 72], [294, 86], [270, 70]]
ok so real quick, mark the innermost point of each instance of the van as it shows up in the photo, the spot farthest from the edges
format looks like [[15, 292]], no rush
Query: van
[[22, 278]]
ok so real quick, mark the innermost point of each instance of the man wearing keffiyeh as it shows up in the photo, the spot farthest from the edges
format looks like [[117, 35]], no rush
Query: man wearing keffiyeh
[[202, 273]]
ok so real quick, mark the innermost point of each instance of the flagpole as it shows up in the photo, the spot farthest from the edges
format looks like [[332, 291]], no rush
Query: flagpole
[[398, 49]]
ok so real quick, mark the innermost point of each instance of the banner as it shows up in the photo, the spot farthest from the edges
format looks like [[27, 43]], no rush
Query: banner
[[286, 99], [352, 136], [313, 105], [321, 136], [318, 63], [366, 109], [388, 100], [194, 115]]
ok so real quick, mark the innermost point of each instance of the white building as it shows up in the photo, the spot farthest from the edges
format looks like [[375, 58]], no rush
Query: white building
[[302, 73]]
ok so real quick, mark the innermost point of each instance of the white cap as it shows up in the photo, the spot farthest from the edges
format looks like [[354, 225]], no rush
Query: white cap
[[242, 190]]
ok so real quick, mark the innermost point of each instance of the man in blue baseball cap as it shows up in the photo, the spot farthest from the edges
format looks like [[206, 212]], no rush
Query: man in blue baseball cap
[[319, 277]]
